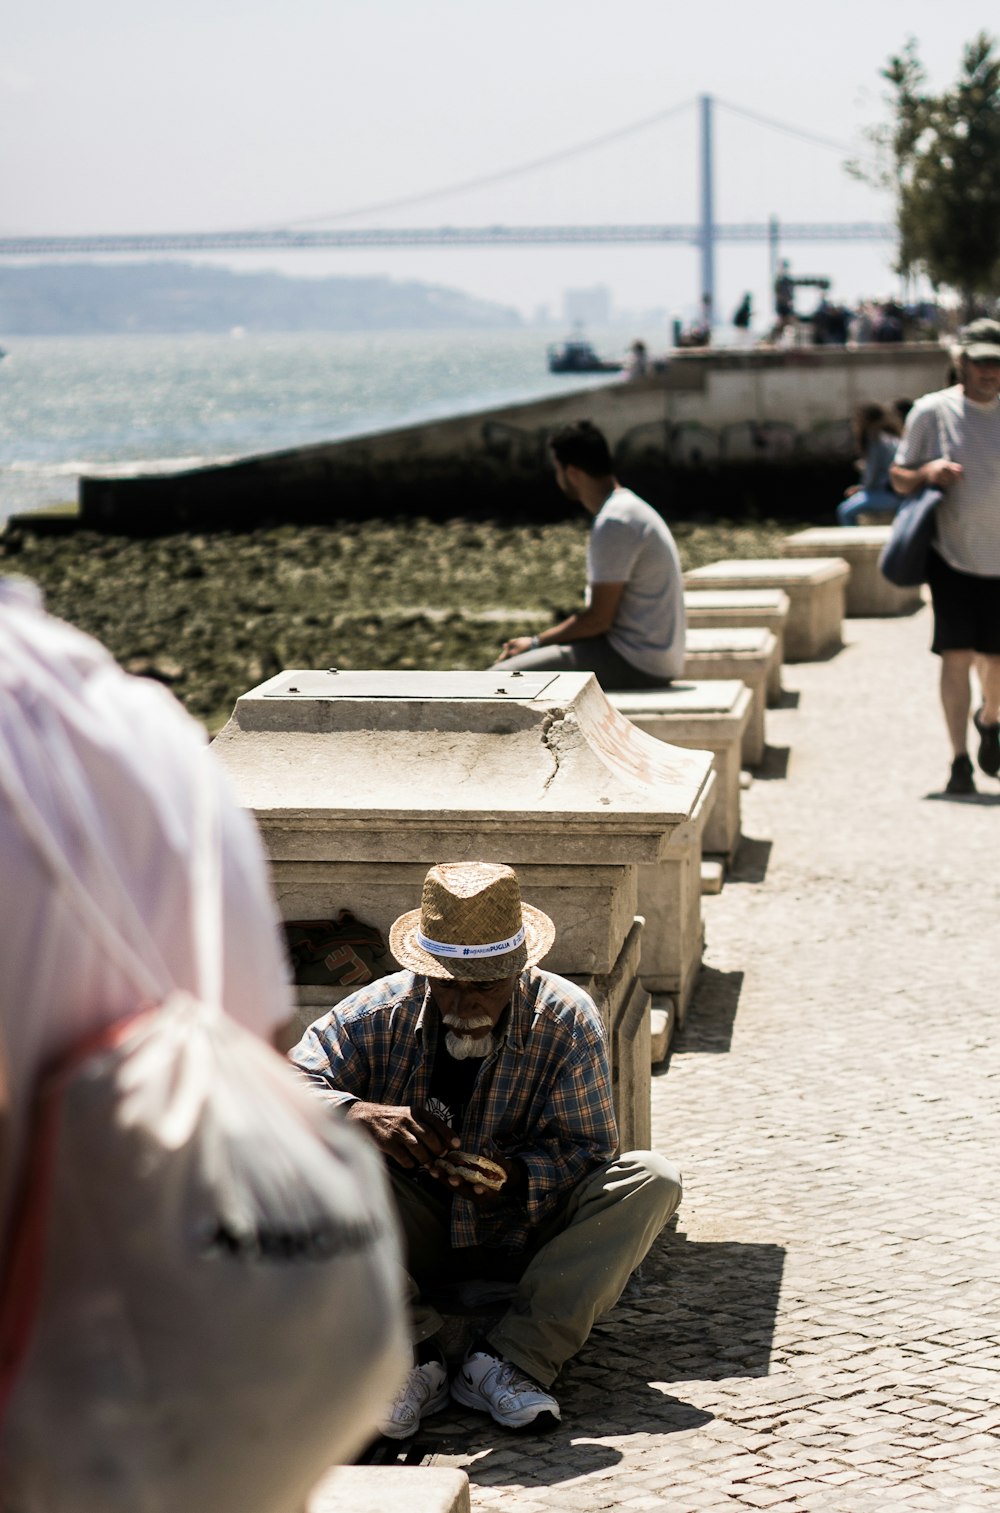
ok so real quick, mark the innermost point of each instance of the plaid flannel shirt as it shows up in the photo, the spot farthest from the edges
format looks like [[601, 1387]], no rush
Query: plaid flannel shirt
[[542, 1095]]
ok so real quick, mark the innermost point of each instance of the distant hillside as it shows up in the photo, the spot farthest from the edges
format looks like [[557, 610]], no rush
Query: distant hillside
[[65, 299]]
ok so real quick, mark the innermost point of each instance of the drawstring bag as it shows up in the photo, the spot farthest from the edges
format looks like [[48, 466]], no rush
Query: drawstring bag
[[201, 1310]]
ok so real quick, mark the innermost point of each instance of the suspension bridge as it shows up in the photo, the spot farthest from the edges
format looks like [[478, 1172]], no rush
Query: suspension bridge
[[704, 234]]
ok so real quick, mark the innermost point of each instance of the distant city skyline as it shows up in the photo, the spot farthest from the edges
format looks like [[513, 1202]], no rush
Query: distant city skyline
[[116, 119]]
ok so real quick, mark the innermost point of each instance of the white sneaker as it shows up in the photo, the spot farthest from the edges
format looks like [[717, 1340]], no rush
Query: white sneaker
[[489, 1384], [425, 1391]]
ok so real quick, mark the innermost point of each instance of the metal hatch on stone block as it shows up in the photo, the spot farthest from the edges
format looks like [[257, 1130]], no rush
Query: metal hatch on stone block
[[332, 683]]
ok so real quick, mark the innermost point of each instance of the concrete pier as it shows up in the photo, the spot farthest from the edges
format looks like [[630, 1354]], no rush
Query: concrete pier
[[712, 429]]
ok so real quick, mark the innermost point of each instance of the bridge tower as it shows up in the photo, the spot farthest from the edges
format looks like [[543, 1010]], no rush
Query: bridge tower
[[707, 236]]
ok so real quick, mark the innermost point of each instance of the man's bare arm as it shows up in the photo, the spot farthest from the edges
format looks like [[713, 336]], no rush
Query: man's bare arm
[[596, 620], [939, 473]]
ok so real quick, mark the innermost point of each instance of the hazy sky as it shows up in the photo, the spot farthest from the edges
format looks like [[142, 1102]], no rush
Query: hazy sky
[[121, 115]]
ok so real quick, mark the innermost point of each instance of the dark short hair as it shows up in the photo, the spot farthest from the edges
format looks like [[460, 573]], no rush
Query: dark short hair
[[869, 418], [581, 445]]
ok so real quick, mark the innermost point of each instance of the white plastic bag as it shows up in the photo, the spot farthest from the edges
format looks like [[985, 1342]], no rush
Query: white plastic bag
[[201, 1309], [204, 1301]]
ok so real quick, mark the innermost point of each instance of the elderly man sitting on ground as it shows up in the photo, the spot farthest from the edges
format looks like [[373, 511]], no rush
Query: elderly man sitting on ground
[[471, 1052]]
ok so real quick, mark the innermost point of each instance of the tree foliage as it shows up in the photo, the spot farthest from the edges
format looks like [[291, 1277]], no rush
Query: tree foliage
[[939, 155]]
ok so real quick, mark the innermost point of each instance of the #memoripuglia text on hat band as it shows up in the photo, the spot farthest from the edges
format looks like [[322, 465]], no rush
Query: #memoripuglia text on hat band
[[493, 948]]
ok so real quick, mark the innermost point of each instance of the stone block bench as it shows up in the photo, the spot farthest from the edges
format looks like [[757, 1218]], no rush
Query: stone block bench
[[743, 609], [670, 944], [623, 1003], [663, 1021], [375, 1489], [815, 587], [745, 653], [703, 716], [868, 593], [670, 900]]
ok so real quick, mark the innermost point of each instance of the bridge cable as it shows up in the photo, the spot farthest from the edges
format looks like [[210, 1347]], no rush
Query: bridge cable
[[490, 178], [788, 131]]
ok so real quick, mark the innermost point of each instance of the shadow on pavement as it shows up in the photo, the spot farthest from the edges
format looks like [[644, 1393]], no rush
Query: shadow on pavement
[[750, 863], [696, 1311], [717, 1308], [789, 698], [602, 1394], [542, 1459], [773, 767], [708, 1027], [480, 1446], [985, 800]]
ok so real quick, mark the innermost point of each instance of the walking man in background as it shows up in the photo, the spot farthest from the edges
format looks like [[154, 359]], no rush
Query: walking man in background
[[631, 632], [952, 442]]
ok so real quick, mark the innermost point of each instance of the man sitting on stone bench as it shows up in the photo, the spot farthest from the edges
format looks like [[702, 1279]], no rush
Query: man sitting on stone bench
[[631, 632], [473, 1051]]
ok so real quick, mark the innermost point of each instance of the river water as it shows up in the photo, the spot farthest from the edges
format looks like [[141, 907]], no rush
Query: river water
[[122, 404]]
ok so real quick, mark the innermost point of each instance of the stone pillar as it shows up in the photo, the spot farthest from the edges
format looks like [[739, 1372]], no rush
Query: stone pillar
[[359, 781]]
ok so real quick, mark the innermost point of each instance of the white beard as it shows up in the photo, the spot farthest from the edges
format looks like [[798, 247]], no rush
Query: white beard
[[462, 1047]]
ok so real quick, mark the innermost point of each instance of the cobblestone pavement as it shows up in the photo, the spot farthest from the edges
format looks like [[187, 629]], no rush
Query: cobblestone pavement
[[821, 1329]]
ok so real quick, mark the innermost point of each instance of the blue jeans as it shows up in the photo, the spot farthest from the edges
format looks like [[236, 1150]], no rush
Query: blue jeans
[[593, 654], [881, 501]]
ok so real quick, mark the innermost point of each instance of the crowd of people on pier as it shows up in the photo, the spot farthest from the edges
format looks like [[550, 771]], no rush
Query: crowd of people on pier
[[828, 323]]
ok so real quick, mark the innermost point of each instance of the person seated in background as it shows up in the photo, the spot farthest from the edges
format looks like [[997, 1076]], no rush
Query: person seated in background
[[861, 325], [631, 632], [637, 362], [743, 315], [876, 432], [473, 1051], [888, 325]]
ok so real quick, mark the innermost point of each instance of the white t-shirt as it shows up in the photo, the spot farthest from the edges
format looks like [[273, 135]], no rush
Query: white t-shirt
[[630, 543], [98, 753], [949, 424]]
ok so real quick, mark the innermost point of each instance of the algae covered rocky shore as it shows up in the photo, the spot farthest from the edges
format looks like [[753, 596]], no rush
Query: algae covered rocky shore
[[211, 615]]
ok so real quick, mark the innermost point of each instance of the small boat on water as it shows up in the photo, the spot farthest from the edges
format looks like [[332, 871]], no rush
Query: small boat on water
[[578, 356]]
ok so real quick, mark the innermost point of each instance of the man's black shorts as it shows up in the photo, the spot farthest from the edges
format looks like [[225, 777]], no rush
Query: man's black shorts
[[966, 609]]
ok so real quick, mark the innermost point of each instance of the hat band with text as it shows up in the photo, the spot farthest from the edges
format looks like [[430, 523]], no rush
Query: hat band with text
[[493, 948]]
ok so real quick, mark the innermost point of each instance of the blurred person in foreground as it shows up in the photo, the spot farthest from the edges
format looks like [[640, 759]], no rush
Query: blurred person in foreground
[[631, 632], [952, 442], [116, 825], [473, 1051], [81, 733]]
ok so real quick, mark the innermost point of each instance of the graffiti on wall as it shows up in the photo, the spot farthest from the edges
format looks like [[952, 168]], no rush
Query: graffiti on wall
[[683, 444]]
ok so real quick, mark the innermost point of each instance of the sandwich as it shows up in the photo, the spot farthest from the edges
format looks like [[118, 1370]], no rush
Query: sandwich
[[478, 1171]]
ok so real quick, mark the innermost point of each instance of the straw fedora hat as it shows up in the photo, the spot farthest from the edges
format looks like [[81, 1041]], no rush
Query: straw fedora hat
[[471, 925]]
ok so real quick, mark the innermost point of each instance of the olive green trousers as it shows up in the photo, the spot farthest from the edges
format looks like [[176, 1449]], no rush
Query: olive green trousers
[[575, 1271]]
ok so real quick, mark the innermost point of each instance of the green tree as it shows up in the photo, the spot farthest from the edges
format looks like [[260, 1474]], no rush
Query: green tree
[[939, 155]]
